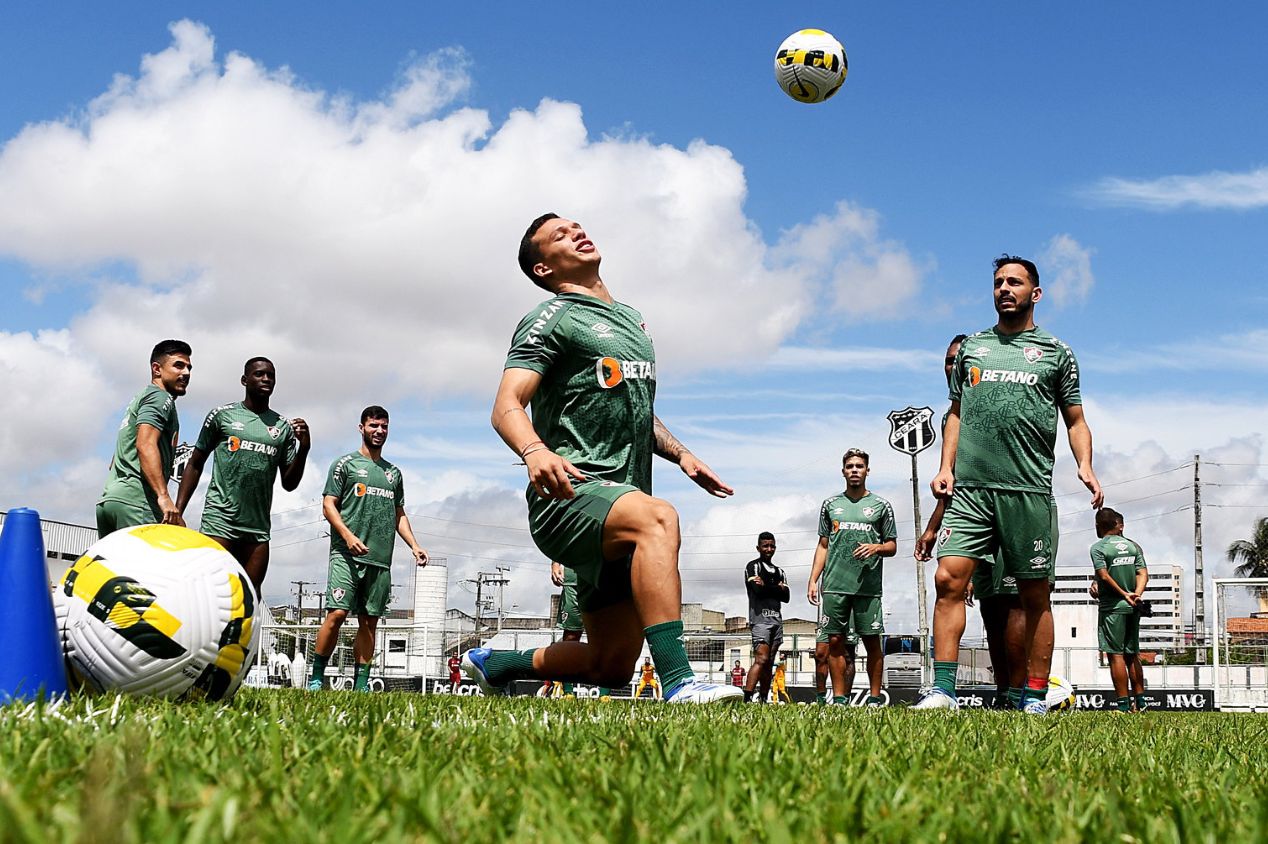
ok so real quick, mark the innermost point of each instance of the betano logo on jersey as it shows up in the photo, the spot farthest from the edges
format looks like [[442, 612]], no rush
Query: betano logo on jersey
[[866, 526], [1001, 376], [361, 490], [612, 372], [238, 444]]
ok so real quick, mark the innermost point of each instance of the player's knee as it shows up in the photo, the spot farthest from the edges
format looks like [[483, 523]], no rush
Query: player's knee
[[661, 522], [949, 583], [336, 618]]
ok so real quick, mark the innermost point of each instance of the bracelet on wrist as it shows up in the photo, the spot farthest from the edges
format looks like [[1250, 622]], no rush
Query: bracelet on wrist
[[535, 448], [525, 447]]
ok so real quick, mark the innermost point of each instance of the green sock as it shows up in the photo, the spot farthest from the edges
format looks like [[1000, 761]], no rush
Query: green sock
[[319, 667], [840, 700], [875, 699], [568, 688], [502, 667], [821, 698], [944, 676], [1140, 703], [1036, 689], [361, 681], [604, 691], [1124, 703], [1014, 697], [669, 654]]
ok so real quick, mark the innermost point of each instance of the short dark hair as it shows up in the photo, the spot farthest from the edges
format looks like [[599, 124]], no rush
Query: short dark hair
[[766, 535], [856, 452], [530, 255], [246, 367], [374, 412], [1013, 259], [959, 338], [164, 349], [1107, 518]]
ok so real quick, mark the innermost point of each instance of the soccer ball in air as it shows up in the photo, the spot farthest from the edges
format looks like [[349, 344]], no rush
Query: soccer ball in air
[[158, 610], [810, 65], [1060, 694]]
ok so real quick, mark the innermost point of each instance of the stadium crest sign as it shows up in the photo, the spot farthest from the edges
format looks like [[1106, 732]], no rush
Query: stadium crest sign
[[911, 429]]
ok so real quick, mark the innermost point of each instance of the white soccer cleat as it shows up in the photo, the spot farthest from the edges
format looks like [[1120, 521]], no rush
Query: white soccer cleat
[[936, 698], [697, 692], [1036, 707]]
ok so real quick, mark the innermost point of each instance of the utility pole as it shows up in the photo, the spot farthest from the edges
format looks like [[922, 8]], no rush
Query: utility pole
[[911, 432], [299, 597], [501, 582], [926, 658], [1199, 577]]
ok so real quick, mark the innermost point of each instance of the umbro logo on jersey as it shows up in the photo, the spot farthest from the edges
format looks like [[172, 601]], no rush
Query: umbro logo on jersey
[[1001, 376], [601, 330], [876, 625], [362, 473], [237, 426], [1121, 546], [1032, 354], [836, 510], [1038, 562], [980, 351], [612, 372]]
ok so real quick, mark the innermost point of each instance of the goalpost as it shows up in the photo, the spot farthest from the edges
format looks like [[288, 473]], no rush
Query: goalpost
[[1240, 649]]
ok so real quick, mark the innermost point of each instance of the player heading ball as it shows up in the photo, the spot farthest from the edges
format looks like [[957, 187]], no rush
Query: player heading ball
[[585, 364]]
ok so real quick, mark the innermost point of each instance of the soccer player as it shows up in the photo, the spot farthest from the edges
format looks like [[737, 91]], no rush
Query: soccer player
[[996, 597], [1008, 385], [856, 531], [767, 588], [568, 618], [1119, 564], [585, 364], [455, 672], [252, 443], [136, 483], [778, 684], [648, 678], [364, 501], [737, 675]]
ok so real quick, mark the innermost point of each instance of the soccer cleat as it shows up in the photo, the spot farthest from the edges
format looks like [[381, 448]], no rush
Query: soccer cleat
[[314, 684], [473, 667], [1036, 707], [875, 703], [696, 692], [936, 698]]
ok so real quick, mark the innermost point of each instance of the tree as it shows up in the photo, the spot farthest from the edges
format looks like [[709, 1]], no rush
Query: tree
[[1250, 559]]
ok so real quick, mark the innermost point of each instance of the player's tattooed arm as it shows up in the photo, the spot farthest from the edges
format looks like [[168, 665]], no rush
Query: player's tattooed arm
[[667, 446]]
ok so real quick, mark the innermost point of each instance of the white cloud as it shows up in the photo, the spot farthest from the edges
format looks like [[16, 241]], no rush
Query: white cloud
[[1217, 189], [1241, 351], [1066, 269], [865, 273]]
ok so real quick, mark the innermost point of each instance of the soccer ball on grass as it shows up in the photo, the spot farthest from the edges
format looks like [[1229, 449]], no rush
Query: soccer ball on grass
[[158, 610]]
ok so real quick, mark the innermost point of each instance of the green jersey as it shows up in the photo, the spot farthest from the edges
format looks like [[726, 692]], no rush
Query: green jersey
[[1010, 387], [368, 492], [247, 450], [598, 368], [848, 524], [152, 406], [1123, 558]]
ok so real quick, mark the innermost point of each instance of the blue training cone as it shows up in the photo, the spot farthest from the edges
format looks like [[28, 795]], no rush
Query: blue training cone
[[32, 664]]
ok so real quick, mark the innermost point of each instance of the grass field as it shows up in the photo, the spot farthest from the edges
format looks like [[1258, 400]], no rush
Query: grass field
[[293, 766]]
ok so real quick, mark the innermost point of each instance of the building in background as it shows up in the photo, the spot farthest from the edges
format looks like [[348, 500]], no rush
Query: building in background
[[1074, 610]]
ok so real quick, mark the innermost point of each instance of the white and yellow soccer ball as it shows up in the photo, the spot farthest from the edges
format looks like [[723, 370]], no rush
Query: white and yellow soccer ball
[[158, 610], [810, 66], [1060, 695]]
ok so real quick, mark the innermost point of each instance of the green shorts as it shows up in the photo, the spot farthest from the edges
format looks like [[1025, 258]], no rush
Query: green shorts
[[216, 525], [569, 618], [114, 515], [855, 616], [1019, 529], [359, 588], [822, 635], [1119, 633], [989, 581], [571, 533]]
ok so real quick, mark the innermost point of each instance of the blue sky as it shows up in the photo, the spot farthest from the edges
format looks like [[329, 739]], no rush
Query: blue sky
[[343, 189]]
